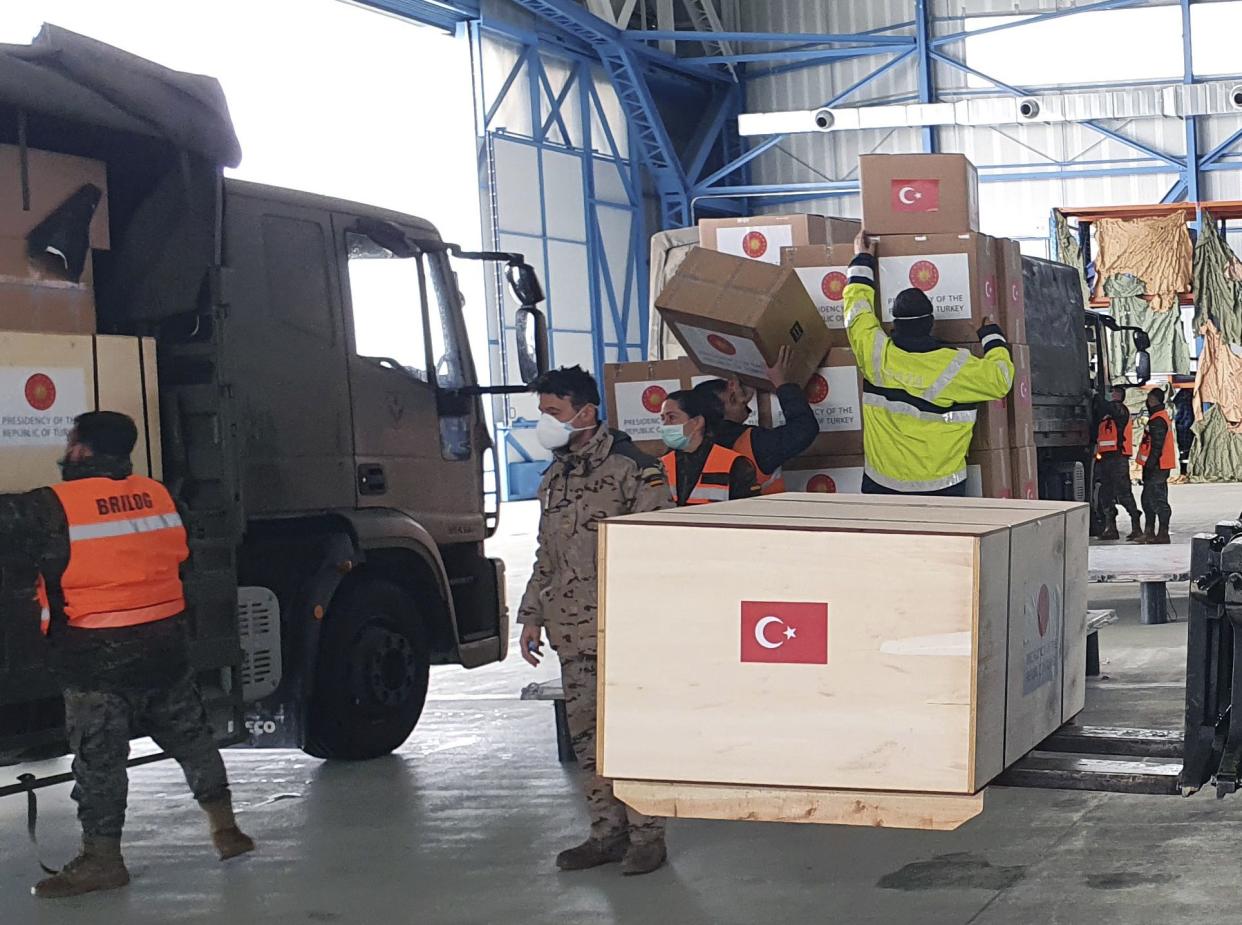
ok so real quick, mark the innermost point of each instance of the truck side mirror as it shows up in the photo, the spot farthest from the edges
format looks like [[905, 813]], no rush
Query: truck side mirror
[[1141, 340], [531, 329], [524, 283], [1142, 364]]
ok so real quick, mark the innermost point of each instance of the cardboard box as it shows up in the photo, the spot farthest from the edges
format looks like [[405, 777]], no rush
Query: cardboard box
[[919, 193], [972, 684], [835, 395], [636, 391], [824, 474], [53, 178], [733, 315], [957, 271], [824, 272], [32, 301], [46, 380], [1012, 308], [1021, 403], [988, 474], [761, 237], [1025, 462]]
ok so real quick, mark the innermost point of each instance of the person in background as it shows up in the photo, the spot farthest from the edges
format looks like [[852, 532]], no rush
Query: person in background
[[595, 473], [1113, 446], [767, 448], [1184, 422], [109, 546], [919, 396], [1157, 456], [699, 469]]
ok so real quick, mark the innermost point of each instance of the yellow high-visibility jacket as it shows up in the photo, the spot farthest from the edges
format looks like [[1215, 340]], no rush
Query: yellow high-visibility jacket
[[918, 408]]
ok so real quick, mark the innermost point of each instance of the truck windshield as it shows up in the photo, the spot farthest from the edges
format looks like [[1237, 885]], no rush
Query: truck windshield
[[452, 365]]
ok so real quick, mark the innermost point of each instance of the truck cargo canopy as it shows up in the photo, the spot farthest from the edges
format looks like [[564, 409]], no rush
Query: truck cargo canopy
[[77, 78]]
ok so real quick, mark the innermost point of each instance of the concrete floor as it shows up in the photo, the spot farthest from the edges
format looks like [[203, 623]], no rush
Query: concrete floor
[[462, 824]]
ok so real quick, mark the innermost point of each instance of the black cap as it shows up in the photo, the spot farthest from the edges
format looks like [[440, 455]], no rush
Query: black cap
[[910, 304]]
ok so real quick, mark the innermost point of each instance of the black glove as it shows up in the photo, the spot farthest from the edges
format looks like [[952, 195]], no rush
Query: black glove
[[990, 329]]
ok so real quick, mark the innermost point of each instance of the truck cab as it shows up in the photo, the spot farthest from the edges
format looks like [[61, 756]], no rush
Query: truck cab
[[318, 415]]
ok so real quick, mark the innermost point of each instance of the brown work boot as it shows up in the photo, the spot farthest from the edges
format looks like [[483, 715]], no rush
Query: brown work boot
[[593, 852], [644, 857], [230, 841], [1109, 533], [1136, 529], [1161, 538], [1148, 537], [99, 867]]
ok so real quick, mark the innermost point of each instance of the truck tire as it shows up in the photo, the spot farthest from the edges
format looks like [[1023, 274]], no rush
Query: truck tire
[[371, 679]]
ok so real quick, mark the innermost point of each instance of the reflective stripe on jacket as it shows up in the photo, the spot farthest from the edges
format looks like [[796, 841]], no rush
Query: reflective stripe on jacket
[[126, 546], [1168, 452], [713, 483], [918, 408], [769, 483]]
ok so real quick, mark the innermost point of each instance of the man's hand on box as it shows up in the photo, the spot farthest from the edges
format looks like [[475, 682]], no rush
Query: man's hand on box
[[864, 244], [778, 375]]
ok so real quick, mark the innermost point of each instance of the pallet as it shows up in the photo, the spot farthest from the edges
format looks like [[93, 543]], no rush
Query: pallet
[[874, 808]]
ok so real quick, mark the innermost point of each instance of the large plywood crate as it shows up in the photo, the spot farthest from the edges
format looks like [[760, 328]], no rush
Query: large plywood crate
[[945, 656]]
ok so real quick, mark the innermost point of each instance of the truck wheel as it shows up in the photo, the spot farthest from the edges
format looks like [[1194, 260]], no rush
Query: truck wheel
[[371, 680]]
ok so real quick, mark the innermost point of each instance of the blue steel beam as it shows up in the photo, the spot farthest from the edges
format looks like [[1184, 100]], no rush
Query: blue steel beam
[[1220, 150], [926, 74], [648, 134], [1192, 124], [708, 134], [941, 41], [796, 54], [686, 35], [772, 142]]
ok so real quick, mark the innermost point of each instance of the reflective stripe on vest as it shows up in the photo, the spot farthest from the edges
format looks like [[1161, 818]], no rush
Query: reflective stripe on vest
[[126, 546], [769, 484], [713, 483], [939, 484], [1168, 452]]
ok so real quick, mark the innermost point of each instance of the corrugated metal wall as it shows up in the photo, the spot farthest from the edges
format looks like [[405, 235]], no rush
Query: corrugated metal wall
[[1017, 209]]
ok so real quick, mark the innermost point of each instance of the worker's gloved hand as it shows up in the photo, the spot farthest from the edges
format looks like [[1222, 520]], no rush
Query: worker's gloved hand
[[991, 329]]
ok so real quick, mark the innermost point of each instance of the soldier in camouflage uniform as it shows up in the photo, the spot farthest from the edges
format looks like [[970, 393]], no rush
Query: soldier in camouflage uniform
[[596, 473], [119, 681]]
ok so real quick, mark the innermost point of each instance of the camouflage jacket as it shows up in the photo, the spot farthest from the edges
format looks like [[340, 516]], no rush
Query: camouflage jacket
[[607, 477]]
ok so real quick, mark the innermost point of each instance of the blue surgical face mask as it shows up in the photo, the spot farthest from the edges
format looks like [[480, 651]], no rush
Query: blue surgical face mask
[[674, 436]]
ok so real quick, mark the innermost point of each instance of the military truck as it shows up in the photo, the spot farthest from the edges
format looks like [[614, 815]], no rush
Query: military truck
[[321, 418], [1070, 374]]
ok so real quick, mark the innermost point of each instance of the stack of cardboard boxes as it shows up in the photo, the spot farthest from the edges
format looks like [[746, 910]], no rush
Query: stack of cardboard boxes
[[758, 283], [53, 365]]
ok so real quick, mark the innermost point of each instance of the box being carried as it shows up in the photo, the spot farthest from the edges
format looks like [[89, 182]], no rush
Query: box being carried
[[761, 237], [919, 193], [733, 315], [820, 674], [956, 271]]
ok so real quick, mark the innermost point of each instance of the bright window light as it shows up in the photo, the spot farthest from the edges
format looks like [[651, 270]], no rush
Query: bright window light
[[1108, 46], [1216, 28]]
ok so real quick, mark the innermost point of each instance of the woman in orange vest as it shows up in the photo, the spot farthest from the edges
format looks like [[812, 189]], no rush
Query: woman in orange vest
[[1158, 456], [767, 448], [698, 469]]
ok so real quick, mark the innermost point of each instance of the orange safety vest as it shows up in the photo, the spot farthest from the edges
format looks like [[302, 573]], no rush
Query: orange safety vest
[[713, 483], [769, 483], [1168, 452], [126, 546], [1111, 439]]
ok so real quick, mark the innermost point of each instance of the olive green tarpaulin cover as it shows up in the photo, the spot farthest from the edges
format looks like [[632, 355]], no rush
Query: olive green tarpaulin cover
[[1169, 352], [1218, 294], [1216, 455], [1070, 253]]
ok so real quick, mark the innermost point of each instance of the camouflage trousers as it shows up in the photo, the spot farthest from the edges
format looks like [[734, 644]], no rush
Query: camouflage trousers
[[1114, 473], [609, 816], [100, 723]]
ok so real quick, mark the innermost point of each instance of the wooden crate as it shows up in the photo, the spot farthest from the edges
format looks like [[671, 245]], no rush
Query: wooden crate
[[937, 673]]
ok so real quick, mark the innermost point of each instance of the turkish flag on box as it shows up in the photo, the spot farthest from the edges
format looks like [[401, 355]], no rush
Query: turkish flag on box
[[785, 632], [915, 195]]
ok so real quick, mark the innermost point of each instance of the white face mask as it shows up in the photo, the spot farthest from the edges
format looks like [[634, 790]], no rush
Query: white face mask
[[553, 434]]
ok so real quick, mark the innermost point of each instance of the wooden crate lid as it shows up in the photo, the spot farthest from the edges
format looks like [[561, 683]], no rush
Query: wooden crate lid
[[820, 512], [1017, 504]]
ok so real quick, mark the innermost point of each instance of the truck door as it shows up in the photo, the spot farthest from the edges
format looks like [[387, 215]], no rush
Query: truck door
[[416, 449]]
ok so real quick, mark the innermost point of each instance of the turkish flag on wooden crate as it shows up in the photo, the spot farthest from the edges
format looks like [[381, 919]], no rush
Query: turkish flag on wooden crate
[[785, 632]]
